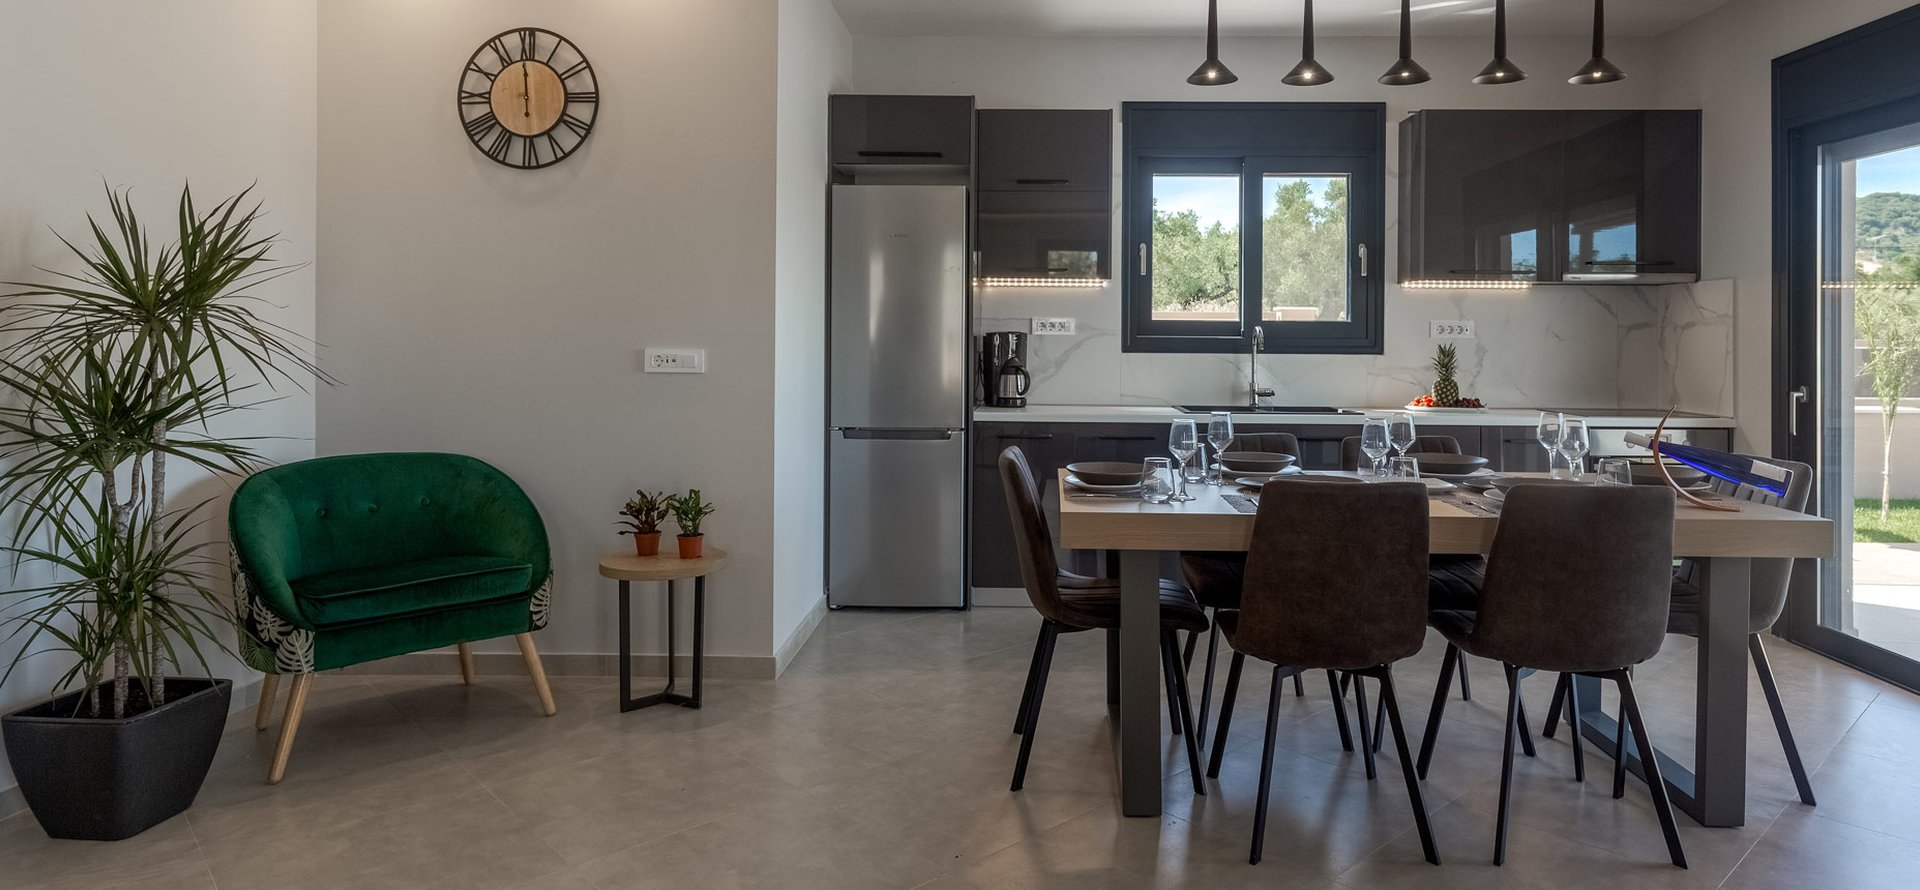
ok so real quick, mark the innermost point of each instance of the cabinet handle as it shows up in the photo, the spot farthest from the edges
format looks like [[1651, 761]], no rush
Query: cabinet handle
[[1490, 271], [1023, 437], [901, 154], [1626, 263], [1043, 182], [1126, 438]]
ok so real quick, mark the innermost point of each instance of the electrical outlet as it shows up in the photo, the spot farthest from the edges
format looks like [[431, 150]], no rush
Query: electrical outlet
[[1456, 329], [1045, 326], [675, 361]]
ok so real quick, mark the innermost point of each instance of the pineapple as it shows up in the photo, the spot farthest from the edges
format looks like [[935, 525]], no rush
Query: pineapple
[[1446, 363]]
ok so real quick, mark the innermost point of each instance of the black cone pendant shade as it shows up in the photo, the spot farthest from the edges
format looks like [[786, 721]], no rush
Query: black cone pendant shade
[[1211, 73], [1308, 73], [1598, 69], [1405, 72], [1500, 70]]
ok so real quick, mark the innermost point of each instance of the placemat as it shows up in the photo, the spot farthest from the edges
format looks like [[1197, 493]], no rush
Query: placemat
[[1241, 502]]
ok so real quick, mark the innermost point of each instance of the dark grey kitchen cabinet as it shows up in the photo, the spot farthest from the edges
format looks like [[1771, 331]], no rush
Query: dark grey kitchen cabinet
[[1519, 450], [1047, 447], [1043, 200], [1550, 196], [883, 131]]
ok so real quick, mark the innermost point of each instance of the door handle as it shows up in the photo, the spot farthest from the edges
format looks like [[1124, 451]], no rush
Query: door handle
[[1363, 261], [1795, 399], [1143, 259]]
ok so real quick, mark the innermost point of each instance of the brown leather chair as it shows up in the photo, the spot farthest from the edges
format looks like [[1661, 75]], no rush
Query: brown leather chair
[[1337, 581], [1578, 582], [1069, 603], [1770, 581], [1350, 449]]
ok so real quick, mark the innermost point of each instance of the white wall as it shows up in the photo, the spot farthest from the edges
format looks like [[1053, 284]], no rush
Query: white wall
[[498, 312], [148, 96], [1723, 61], [815, 59]]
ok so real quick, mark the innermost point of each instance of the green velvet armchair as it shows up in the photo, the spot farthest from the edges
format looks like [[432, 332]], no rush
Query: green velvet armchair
[[343, 560]]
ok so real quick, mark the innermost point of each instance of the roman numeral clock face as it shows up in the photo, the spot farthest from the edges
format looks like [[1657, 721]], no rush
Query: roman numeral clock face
[[528, 98]]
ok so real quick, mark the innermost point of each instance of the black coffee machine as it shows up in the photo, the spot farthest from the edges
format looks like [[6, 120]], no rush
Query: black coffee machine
[[1004, 380]]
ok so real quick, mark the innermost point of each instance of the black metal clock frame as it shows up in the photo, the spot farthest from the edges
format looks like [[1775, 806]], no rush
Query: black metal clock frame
[[568, 132]]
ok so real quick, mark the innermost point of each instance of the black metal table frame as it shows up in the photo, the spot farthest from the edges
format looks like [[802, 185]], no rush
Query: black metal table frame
[[666, 696]]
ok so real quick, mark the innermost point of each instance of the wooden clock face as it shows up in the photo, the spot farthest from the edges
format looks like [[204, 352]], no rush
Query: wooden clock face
[[528, 98]]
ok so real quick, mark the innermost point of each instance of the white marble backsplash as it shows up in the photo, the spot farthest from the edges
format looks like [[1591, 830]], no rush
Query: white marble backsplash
[[1561, 346]]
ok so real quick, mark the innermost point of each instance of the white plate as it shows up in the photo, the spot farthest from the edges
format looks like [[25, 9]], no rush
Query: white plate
[[1242, 477], [1496, 495], [1423, 409], [1435, 486], [1481, 473], [1102, 489]]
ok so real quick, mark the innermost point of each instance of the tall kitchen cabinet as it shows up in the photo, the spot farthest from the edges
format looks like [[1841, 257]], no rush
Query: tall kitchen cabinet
[[1043, 195], [1589, 197]]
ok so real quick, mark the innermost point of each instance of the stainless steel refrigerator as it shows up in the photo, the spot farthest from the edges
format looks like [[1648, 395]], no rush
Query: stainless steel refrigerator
[[898, 397]]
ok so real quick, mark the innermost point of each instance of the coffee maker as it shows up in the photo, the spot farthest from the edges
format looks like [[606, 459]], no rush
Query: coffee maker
[[1004, 380]]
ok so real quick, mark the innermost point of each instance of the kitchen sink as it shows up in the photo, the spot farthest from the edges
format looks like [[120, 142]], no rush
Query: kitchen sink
[[1266, 409]]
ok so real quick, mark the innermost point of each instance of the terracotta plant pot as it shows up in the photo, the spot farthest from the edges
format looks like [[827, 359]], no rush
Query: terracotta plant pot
[[646, 545], [691, 546]]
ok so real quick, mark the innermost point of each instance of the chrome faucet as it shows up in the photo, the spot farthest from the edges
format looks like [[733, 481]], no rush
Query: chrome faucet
[[1254, 392]]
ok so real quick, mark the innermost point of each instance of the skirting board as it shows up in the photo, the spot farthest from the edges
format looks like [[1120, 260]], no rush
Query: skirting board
[[246, 694], [783, 656], [565, 664]]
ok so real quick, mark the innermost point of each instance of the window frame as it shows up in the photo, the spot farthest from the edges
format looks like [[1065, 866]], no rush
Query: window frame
[[1254, 140]]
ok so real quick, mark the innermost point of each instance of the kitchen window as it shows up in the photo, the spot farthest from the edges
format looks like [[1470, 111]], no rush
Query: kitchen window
[[1244, 214]]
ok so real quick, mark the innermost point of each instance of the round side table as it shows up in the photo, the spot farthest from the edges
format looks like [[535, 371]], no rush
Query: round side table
[[667, 568]]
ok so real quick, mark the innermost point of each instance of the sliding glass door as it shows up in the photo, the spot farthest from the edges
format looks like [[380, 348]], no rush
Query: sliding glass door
[[1852, 409]]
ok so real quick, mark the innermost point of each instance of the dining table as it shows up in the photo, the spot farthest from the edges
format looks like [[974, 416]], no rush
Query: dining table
[[1711, 790]]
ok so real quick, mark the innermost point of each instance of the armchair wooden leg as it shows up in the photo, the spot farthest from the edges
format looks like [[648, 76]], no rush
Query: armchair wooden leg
[[269, 684], [539, 673], [466, 664], [296, 702]]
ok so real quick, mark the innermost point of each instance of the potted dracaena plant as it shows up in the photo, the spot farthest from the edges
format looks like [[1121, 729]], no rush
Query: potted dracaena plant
[[689, 511], [114, 374], [641, 518]]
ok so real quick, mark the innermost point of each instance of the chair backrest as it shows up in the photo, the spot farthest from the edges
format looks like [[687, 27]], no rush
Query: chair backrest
[[1350, 449], [356, 510], [1771, 577], [1033, 540], [1579, 577], [1336, 575], [1272, 443]]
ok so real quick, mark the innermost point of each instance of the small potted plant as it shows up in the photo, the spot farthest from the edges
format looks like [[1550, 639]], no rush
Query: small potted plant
[[688, 512], [642, 517]]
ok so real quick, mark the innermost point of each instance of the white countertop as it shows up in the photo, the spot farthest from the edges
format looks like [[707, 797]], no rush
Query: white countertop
[[1162, 414]]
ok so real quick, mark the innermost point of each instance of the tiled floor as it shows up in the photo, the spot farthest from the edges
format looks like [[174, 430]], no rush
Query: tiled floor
[[881, 760]]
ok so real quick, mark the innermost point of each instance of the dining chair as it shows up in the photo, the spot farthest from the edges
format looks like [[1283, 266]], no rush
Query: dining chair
[[1336, 580], [1578, 582], [1350, 449], [1770, 579], [1070, 603]]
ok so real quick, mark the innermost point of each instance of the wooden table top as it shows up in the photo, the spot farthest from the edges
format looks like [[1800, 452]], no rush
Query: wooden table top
[[668, 566], [1210, 523]]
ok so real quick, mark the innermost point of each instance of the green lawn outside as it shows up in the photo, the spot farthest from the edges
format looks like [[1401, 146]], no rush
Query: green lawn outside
[[1901, 527]]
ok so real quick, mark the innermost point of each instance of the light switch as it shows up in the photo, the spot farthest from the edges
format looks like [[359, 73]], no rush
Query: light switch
[[1055, 326], [1450, 329], [675, 361]]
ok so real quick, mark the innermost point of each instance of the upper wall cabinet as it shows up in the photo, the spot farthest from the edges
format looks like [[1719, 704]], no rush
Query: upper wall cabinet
[[900, 131], [1044, 207], [1576, 197]]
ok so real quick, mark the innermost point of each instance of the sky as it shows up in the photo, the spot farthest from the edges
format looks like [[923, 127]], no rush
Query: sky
[[1895, 171], [1215, 198]]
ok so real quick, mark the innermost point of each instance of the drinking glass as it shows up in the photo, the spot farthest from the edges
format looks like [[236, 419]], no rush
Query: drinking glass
[[1400, 432], [1547, 432], [1182, 442], [1615, 471], [1156, 480], [1219, 435], [1403, 469], [1573, 446], [1373, 443]]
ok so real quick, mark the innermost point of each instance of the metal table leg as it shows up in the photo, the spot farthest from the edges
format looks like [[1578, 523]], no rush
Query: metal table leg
[[1140, 682], [667, 695]]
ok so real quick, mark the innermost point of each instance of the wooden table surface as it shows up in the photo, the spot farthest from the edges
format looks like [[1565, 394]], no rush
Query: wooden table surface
[[667, 566]]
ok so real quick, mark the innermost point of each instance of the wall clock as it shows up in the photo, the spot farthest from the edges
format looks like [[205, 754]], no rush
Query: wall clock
[[528, 98]]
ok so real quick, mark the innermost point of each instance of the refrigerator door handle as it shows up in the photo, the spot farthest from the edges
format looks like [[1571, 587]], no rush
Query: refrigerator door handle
[[924, 435]]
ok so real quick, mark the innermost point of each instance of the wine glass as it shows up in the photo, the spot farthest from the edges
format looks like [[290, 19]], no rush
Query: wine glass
[[1219, 435], [1182, 441], [1573, 446], [1547, 432], [1373, 443], [1400, 433]]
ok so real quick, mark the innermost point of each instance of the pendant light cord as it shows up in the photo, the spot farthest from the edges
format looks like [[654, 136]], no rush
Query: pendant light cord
[[1599, 28]]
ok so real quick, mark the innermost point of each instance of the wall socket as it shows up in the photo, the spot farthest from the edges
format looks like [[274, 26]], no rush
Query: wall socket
[[1456, 329], [674, 361], [1046, 326]]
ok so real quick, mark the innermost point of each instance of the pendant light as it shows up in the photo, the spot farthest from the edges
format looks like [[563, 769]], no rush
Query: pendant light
[[1500, 70], [1308, 73], [1598, 69], [1211, 73], [1405, 72]]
